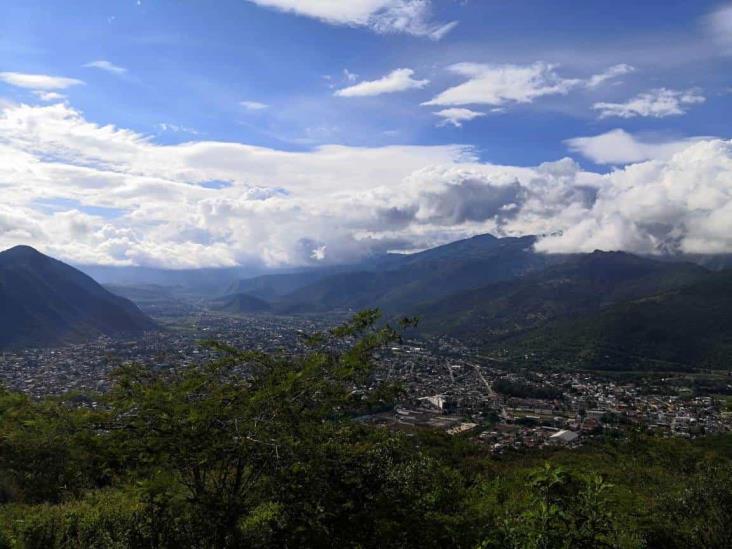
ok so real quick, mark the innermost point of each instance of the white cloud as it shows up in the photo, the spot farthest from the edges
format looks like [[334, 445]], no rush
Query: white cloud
[[49, 96], [107, 66], [683, 204], [499, 85], [396, 81], [319, 253], [456, 116], [38, 81], [253, 105], [167, 127], [59, 173], [438, 33], [658, 103], [719, 25], [502, 84], [620, 147], [610, 74], [383, 16], [171, 214]]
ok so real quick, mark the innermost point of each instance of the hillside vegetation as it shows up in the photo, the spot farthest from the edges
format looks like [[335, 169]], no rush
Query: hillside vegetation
[[253, 450]]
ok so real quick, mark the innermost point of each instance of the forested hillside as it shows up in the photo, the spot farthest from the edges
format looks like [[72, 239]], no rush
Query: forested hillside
[[685, 328]]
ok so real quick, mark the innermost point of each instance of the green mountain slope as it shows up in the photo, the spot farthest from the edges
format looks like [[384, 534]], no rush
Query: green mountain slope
[[583, 284], [690, 327]]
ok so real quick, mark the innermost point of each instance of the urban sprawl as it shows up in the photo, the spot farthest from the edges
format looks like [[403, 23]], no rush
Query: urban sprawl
[[446, 385]]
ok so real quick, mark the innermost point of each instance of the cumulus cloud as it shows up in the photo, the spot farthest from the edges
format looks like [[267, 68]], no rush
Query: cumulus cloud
[[271, 198], [106, 66], [383, 16], [658, 103], [620, 147], [206, 203], [456, 116], [38, 81], [396, 81], [678, 205]]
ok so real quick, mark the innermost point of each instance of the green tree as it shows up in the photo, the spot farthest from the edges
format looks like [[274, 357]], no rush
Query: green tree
[[212, 437], [49, 449], [563, 511]]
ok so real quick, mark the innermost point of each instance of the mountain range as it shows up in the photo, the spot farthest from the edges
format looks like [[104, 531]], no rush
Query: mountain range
[[44, 302], [598, 310], [396, 282], [603, 310]]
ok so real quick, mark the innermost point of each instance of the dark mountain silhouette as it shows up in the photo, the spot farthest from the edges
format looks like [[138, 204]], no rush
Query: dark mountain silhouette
[[44, 302]]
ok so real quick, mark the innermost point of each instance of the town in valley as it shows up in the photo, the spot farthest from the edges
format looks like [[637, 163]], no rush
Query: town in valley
[[505, 404]]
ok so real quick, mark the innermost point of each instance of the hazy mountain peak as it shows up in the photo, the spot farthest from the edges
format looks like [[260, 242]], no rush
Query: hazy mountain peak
[[21, 251]]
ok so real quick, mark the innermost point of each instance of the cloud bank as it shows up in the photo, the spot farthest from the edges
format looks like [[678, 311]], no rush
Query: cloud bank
[[101, 194]]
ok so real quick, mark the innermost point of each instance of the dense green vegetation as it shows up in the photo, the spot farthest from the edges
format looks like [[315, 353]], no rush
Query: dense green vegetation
[[254, 450], [686, 328]]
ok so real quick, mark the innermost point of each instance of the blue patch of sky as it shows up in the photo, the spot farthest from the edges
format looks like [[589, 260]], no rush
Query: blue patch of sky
[[216, 184], [51, 205]]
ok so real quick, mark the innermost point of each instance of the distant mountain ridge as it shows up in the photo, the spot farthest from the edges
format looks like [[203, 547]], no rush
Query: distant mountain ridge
[[241, 304], [396, 282], [44, 302]]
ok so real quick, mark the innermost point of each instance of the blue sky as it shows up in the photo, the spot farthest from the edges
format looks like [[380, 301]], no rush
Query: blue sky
[[512, 83], [190, 65]]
